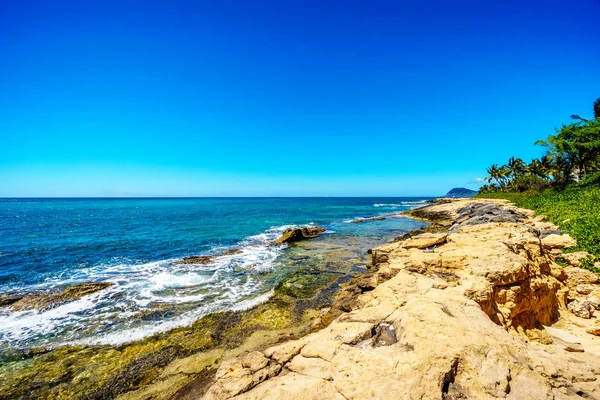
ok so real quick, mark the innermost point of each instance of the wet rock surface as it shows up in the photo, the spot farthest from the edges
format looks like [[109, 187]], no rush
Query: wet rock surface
[[361, 220], [296, 234], [207, 258], [45, 300], [181, 363], [485, 316]]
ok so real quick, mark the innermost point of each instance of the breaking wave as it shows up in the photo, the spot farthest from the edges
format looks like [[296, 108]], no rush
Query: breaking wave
[[148, 298]]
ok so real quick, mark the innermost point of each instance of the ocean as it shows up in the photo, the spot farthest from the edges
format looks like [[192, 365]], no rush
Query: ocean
[[48, 244]]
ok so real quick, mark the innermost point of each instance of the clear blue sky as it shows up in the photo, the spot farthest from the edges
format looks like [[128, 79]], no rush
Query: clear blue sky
[[283, 98]]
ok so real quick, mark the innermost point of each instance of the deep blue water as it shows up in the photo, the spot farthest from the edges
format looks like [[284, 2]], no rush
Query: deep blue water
[[50, 243]]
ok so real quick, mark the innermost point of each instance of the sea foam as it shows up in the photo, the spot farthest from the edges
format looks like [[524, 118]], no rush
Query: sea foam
[[116, 315]]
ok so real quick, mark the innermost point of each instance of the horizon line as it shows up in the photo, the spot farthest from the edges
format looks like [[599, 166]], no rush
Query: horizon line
[[202, 197]]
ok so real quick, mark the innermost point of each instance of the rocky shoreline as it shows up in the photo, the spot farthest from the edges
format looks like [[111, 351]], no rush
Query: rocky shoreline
[[182, 360], [476, 307], [458, 309]]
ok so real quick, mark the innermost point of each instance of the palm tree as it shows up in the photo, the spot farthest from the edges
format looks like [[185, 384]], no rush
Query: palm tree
[[537, 169], [504, 176], [548, 165], [578, 118], [596, 112], [517, 167], [493, 174]]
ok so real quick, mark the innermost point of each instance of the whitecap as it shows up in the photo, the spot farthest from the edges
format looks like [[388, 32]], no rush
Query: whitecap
[[227, 282], [186, 319]]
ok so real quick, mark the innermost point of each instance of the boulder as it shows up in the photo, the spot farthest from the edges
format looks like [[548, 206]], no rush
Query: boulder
[[582, 308], [594, 297], [554, 241], [574, 259], [594, 328], [578, 276], [585, 288], [424, 241], [296, 234]]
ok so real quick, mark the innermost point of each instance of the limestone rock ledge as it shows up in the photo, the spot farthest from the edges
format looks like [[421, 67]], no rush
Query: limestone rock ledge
[[464, 320]]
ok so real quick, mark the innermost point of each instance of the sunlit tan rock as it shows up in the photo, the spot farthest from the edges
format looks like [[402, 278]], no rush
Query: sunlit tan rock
[[582, 308], [558, 241], [424, 240], [483, 317]]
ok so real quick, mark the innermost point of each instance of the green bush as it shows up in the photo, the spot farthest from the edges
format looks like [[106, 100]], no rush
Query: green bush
[[576, 209], [592, 179], [529, 183], [514, 197]]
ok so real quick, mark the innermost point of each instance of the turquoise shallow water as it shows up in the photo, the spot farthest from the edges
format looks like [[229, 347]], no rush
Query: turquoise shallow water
[[134, 243]]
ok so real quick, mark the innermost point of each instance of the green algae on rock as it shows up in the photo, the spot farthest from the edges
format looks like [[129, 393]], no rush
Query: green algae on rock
[[297, 234], [183, 360], [103, 372]]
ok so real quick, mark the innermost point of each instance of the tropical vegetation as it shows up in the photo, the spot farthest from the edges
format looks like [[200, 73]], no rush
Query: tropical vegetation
[[572, 153], [563, 185]]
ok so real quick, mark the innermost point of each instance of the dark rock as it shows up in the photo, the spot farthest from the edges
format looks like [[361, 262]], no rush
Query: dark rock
[[7, 299], [206, 259], [46, 300], [431, 214], [443, 201], [549, 232], [385, 335], [483, 213], [361, 220], [296, 234]]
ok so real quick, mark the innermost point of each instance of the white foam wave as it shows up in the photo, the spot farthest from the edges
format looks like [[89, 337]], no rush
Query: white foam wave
[[186, 319], [229, 281], [18, 326], [409, 204]]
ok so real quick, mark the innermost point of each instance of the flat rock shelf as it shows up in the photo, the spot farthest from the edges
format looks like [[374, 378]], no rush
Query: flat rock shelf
[[485, 315]]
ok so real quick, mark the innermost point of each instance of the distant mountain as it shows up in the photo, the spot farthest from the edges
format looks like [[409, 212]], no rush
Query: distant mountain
[[461, 192]]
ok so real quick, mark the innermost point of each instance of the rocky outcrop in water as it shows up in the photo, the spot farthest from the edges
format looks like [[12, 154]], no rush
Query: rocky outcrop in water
[[296, 234], [484, 315], [45, 300], [361, 220], [201, 260]]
